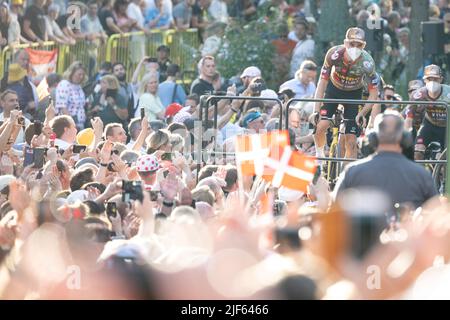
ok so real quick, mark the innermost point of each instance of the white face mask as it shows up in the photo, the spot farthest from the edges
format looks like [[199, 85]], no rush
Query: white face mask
[[354, 53], [304, 129], [433, 86]]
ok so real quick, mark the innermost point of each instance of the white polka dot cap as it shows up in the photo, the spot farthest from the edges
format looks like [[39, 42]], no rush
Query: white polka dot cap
[[147, 163]]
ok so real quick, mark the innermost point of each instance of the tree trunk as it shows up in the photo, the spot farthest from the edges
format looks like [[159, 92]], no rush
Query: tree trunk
[[419, 13]]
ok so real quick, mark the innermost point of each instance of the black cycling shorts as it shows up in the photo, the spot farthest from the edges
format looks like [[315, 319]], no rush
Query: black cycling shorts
[[428, 133], [350, 110]]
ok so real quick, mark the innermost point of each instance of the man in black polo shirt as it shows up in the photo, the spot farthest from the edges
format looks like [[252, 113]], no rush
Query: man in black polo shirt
[[389, 171], [203, 84], [34, 22]]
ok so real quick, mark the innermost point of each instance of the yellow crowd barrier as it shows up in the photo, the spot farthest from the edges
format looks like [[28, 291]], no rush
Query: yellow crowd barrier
[[128, 48]]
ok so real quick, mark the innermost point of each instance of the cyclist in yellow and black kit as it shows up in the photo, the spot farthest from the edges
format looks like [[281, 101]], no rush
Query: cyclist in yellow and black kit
[[434, 117], [344, 71]]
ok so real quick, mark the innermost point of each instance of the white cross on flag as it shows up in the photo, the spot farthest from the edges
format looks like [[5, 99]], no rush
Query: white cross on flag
[[253, 149], [288, 168]]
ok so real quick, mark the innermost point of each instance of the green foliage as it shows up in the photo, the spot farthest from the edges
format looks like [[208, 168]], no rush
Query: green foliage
[[247, 45]]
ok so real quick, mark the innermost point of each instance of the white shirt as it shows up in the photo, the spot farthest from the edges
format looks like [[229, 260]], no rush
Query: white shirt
[[292, 36], [218, 10], [131, 144], [302, 51], [63, 145], [134, 12], [299, 89], [21, 136]]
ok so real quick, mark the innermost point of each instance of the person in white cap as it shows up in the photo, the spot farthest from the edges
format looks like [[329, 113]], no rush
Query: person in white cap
[[248, 75], [147, 166]]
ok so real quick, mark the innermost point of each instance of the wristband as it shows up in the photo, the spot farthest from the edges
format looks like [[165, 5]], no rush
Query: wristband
[[104, 164], [167, 204]]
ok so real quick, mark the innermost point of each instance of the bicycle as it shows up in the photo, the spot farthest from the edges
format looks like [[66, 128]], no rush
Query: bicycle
[[439, 172], [334, 168]]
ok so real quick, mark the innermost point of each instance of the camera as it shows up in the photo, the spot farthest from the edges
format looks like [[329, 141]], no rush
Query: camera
[[111, 93], [78, 148], [257, 87], [167, 156], [21, 120], [132, 190], [153, 195], [279, 208]]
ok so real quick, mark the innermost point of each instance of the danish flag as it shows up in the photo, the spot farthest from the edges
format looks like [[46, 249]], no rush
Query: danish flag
[[288, 168], [253, 149]]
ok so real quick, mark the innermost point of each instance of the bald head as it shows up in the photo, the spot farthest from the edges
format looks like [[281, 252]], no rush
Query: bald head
[[389, 128]]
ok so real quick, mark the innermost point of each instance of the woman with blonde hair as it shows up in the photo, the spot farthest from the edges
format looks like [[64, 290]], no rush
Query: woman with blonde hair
[[159, 141], [148, 97], [108, 103], [70, 98]]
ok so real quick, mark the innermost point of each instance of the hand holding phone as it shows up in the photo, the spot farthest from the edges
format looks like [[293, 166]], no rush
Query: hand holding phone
[[38, 155], [142, 113], [111, 209], [37, 127], [78, 148], [132, 190]]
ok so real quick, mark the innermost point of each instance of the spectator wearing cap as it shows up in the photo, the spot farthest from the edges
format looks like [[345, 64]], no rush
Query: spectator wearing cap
[[171, 111], [247, 76], [163, 54], [147, 166], [253, 121], [17, 81], [181, 116], [169, 91], [17, 10], [305, 46], [304, 82]]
